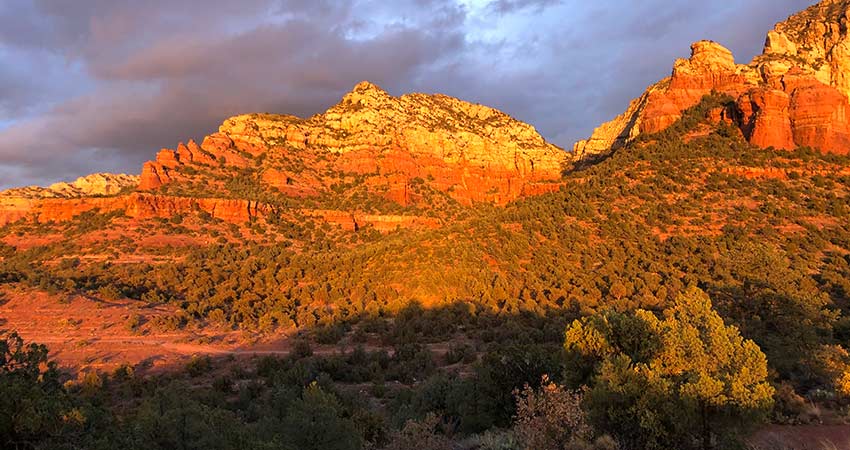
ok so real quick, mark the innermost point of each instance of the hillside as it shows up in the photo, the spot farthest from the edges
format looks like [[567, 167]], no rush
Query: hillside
[[421, 272], [765, 232], [636, 221]]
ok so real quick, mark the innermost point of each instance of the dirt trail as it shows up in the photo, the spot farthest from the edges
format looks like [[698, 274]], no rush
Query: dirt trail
[[195, 349]]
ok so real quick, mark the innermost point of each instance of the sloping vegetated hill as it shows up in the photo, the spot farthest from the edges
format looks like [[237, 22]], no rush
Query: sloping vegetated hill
[[764, 232]]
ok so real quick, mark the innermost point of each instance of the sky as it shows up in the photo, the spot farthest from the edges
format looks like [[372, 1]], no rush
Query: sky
[[100, 85]]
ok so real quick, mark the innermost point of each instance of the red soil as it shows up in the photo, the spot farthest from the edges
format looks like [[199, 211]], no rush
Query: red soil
[[88, 333]]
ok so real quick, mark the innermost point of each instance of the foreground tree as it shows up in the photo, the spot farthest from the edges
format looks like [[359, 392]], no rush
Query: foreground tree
[[316, 422], [552, 418], [420, 435], [31, 397], [686, 380]]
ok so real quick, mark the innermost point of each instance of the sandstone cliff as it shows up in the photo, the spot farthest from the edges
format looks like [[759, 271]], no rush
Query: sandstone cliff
[[98, 184], [140, 205], [470, 152], [415, 149], [797, 93]]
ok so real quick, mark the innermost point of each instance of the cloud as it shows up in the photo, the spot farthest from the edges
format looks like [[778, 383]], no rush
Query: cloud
[[513, 6], [102, 84], [14, 93], [182, 84]]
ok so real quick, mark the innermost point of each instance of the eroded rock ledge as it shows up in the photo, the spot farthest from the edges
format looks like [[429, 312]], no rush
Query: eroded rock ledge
[[794, 94]]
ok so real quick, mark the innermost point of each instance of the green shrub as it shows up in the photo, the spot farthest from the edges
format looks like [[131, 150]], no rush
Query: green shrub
[[198, 366]]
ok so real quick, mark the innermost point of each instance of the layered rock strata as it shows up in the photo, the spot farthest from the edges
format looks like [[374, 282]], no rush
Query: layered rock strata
[[794, 94]]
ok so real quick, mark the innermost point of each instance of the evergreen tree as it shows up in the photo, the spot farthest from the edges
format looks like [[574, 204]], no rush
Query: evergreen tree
[[31, 397], [686, 380], [316, 422]]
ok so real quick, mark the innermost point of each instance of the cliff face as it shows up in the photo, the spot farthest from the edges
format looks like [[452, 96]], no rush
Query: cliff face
[[402, 149], [142, 205], [794, 94], [470, 152], [136, 205], [817, 39]]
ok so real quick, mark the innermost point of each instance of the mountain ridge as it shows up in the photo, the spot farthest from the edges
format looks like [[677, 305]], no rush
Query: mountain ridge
[[422, 154], [413, 151], [462, 149], [794, 94], [96, 184]]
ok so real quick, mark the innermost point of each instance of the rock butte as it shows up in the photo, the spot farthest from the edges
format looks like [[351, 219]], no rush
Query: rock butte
[[794, 94], [469, 152]]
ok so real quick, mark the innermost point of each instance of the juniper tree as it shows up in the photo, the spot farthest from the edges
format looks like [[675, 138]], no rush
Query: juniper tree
[[683, 380]]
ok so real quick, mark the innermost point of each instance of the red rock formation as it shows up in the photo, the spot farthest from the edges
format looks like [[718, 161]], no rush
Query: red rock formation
[[765, 118], [146, 206], [795, 94], [711, 67], [136, 205], [153, 176], [191, 153], [159, 172], [470, 152], [819, 114]]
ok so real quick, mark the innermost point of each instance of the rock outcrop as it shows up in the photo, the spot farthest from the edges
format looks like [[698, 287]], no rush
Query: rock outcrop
[[470, 152], [405, 149], [135, 205], [140, 205], [98, 184], [797, 93]]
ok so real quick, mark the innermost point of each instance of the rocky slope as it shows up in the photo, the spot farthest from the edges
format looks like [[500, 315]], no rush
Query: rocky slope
[[140, 205], [794, 94]]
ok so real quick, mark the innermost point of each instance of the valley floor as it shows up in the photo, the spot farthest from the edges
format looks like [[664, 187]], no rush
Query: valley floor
[[86, 333]]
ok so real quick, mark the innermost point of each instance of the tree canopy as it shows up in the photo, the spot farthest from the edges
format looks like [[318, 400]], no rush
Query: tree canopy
[[671, 382]]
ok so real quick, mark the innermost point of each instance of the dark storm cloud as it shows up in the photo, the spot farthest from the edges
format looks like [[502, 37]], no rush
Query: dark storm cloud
[[170, 79], [14, 93], [512, 6], [102, 84]]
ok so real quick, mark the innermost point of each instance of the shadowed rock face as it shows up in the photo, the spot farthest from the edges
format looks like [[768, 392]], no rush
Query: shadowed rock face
[[471, 152], [794, 94]]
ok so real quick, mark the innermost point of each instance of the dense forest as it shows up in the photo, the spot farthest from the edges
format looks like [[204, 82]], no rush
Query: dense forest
[[672, 295]]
